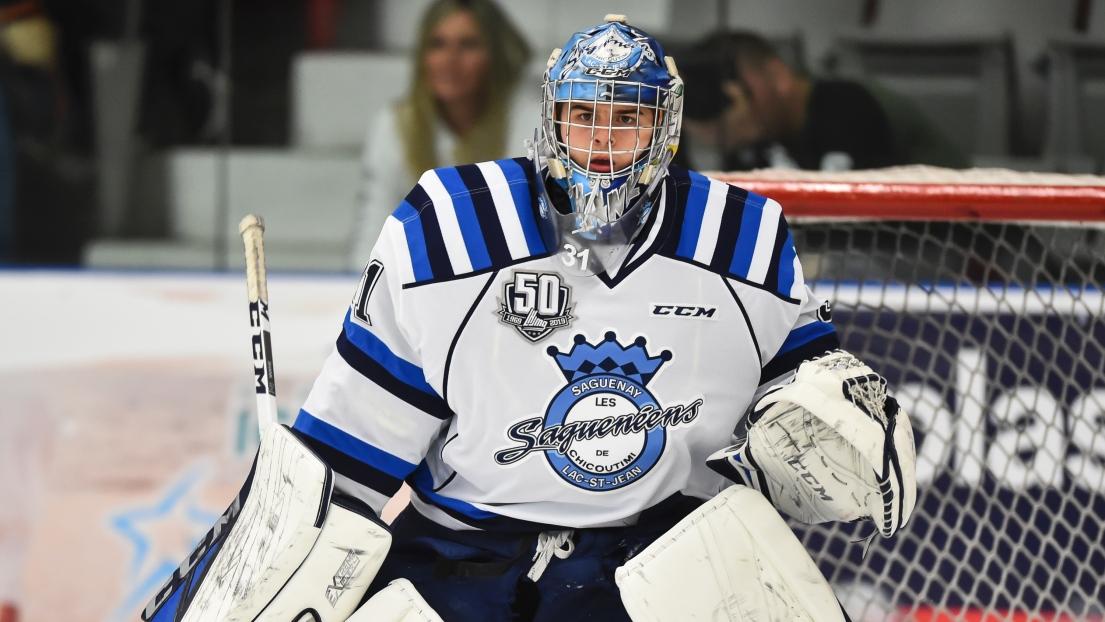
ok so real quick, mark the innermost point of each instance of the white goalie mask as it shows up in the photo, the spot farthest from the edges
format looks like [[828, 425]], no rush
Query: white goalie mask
[[611, 115]]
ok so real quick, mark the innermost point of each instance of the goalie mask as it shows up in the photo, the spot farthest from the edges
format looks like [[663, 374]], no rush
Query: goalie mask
[[611, 113]]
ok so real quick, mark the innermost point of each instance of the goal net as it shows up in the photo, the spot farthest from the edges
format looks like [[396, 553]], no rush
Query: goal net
[[979, 296]]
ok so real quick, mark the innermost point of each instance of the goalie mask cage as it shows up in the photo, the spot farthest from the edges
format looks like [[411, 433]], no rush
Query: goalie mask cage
[[979, 296]]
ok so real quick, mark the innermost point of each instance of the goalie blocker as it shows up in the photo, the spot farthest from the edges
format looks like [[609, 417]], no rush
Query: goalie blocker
[[287, 548], [830, 445]]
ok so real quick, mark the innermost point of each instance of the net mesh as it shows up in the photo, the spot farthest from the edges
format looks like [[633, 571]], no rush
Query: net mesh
[[991, 334]]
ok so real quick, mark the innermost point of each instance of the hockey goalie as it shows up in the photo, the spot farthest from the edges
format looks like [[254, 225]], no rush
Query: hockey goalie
[[603, 378]]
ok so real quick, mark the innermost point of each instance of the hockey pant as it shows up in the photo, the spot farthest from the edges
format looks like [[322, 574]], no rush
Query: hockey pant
[[482, 576]]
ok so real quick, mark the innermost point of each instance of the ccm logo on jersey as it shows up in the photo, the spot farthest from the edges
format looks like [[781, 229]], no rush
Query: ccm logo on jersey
[[691, 311]]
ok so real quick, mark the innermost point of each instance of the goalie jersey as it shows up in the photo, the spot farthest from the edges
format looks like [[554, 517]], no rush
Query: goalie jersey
[[513, 393]]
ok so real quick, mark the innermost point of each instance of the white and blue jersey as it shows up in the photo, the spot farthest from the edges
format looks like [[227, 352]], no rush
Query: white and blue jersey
[[514, 394]]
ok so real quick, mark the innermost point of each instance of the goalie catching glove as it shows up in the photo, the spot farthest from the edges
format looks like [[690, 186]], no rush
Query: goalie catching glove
[[830, 445]]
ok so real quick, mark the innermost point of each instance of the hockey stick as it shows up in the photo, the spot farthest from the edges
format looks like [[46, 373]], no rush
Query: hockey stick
[[272, 555], [252, 229]]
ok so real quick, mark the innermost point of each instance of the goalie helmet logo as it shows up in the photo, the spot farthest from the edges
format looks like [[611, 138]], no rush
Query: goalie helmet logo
[[612, 54], [536, 304], [607, 51]]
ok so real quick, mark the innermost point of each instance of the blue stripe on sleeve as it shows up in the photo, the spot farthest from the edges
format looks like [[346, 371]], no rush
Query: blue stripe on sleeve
[[749, 230], [367, 366], [416, 241], [372, 346], [466, 217], [423, 482], [693, 212], [352, 446], [787, 361], [519, 189], [786, 266], [805, 334]]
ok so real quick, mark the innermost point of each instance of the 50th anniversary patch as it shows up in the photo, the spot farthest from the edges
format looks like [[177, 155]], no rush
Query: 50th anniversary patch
[[604, 429], [536, 304]]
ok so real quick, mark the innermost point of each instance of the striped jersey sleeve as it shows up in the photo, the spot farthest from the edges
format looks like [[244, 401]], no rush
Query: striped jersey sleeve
[[371, 413], [737, 233], [811, 335], [467, 219], [745, 237]]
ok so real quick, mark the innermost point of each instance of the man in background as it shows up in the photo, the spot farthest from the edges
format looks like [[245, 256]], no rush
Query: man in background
[[754, 110]]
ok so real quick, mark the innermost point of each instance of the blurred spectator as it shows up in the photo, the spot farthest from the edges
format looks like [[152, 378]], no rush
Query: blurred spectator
[[755, 111], [26, 57], [31, 117], [180, 74], [7, 185], [467, 64]]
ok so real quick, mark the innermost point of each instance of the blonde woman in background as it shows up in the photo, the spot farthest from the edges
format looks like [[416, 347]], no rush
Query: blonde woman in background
[[459, 108]]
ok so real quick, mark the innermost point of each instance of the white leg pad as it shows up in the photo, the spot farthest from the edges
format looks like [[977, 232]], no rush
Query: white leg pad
[[734, 558], [273, 534], [398, 602], [337, 572], [285, 550]]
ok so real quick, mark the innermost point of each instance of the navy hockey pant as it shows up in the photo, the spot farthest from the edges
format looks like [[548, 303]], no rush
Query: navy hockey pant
[[481, 576]]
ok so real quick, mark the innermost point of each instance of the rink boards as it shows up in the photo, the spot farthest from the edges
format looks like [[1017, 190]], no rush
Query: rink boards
[[128, 424]]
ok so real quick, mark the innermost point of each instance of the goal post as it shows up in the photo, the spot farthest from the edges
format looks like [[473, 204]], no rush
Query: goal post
[[979, 295]]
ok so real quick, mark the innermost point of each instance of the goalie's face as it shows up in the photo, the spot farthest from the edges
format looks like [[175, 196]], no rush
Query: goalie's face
[[605, 138]]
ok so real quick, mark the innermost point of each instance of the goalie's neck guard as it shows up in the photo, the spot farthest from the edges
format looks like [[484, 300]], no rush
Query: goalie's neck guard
[[589, 246], [627, 91]]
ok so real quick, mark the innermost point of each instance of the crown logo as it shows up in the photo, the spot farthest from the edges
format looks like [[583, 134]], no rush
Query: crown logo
[[610, 357]]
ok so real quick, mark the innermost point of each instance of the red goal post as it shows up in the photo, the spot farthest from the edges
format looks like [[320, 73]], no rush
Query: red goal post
[[927, 193], [979, 295]]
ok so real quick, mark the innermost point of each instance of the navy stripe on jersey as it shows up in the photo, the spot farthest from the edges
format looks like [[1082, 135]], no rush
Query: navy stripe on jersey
[[484, 208], [730, 226], [681, 183], [371, 357], [469, 219], [421, 482], [665, 513], [436, 254], [416, 241], [786, 263], [803, 343], [782, 235], [470, 229], [748, 240], [352, 457]]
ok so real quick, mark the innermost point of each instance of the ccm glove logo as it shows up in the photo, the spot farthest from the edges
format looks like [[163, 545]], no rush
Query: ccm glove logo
[[690, 311]]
